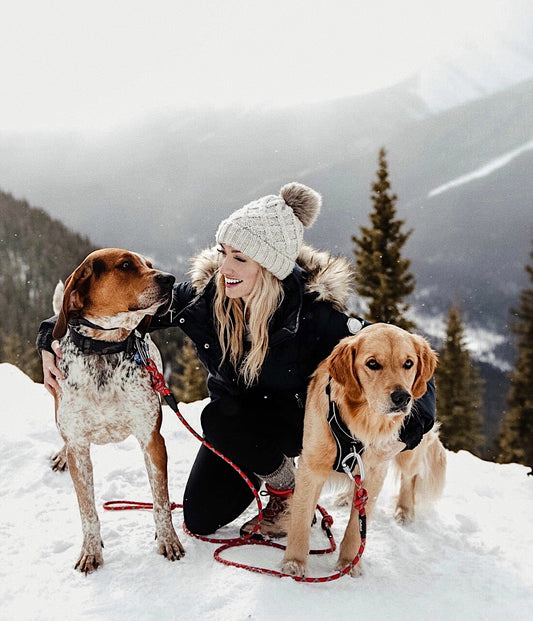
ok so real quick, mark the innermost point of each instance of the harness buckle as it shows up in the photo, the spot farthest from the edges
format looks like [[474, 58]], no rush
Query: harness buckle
[[86, 347]]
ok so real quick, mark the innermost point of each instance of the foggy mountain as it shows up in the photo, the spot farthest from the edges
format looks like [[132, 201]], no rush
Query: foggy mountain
[[483, 65], [461, 175], [459, 137]]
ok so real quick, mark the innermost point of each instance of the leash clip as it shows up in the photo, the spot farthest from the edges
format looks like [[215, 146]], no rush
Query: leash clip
[[141, 349], [346, 467]]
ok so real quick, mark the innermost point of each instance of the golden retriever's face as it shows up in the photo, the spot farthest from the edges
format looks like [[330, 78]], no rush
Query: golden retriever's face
[[114, 283], [385, 366]]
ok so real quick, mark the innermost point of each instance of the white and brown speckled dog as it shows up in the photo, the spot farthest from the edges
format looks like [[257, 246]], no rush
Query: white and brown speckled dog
[[106, 396]]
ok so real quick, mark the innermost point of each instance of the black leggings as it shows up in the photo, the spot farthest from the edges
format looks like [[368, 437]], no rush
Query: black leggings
[[254, 432]]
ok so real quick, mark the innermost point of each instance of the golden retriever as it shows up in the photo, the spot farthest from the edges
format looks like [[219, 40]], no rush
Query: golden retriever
[[375, 377]]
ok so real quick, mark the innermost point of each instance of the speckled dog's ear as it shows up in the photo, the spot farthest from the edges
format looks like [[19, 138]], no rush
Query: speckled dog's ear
[[76, 287]]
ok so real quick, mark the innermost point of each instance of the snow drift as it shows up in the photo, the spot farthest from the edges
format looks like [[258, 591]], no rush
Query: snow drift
[[469, 557]]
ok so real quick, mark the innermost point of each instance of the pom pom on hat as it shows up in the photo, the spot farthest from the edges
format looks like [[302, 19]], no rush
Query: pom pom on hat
[[269, 230], [304, 201]]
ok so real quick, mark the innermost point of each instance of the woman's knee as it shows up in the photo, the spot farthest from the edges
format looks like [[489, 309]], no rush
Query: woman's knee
[[198, 522], [215, 493]]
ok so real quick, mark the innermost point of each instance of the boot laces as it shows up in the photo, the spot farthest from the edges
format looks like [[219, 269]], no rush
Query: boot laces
[[275, 506]]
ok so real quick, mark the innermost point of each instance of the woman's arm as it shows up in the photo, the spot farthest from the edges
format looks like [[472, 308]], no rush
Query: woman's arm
[[421, 419], [51, 373], [330, 326], [44, 337]]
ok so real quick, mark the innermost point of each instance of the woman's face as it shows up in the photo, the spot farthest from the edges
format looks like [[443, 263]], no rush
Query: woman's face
[[239, 271]]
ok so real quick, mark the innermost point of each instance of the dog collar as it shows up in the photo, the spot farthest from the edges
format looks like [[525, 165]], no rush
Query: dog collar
[[134, 344], [349, 448], [81, 321]]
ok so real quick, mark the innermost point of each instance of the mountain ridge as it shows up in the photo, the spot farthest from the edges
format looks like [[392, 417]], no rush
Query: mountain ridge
[[161, 187]]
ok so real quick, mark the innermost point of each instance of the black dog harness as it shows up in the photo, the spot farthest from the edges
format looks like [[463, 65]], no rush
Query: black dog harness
[[349, 449], [133, 345]]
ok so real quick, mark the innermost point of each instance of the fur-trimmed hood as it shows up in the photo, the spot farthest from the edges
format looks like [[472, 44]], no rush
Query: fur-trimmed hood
[[329, 278]]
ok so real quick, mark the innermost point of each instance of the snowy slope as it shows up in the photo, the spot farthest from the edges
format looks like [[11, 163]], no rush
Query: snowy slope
[[483, 171], [471, 557]]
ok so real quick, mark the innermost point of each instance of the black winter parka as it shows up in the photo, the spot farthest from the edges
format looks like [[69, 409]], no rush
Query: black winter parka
[[303, 331]]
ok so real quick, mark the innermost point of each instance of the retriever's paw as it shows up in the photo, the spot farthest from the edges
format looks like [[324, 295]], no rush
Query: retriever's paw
[[292, 567], [355, 571], [170, 547], [404, 515]]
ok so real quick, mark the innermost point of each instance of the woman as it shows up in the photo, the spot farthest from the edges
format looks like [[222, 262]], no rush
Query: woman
[[263, 311]]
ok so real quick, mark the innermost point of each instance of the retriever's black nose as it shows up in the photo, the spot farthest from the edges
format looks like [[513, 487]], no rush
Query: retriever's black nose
[[400, 398]]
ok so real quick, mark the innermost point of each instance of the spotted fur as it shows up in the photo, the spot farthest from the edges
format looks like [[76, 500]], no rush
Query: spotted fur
[[107, 398]]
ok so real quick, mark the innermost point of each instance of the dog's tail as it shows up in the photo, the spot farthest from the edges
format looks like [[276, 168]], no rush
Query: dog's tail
[[425, 467], [57, 299]]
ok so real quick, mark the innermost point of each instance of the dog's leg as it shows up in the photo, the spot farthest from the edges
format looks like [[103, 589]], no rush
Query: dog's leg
[[59, 460], [352, 537], [423, 472], [344, 496], [81, 471], [408, 464], [309, 484], [155, 457], [405, 507]]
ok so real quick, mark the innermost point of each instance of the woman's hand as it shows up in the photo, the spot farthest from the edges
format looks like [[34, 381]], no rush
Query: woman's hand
[[50, 371]]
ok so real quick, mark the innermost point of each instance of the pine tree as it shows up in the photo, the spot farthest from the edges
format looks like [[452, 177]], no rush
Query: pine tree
[[459, 391], [515, 441], [35, 252], [382, 274], [189, 383]]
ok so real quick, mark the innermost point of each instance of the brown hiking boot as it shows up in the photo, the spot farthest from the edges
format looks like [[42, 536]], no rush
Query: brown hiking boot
[[275, 516]]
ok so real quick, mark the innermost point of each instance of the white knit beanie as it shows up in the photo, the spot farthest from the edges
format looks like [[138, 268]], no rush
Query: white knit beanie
[[269, 230]]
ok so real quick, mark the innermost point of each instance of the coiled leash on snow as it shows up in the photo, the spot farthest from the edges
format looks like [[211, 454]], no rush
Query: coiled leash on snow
[[359, 501]]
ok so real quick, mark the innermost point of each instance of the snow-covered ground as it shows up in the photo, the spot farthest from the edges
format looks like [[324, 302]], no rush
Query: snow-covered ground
[[469, 557]]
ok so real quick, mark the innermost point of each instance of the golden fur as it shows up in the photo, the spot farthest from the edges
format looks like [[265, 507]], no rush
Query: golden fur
[[376, 376]]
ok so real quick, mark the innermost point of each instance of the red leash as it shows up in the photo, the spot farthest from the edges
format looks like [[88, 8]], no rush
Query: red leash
[[359, 502]]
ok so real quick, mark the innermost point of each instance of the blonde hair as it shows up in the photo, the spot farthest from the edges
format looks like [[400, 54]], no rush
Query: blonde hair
[[232, 316]]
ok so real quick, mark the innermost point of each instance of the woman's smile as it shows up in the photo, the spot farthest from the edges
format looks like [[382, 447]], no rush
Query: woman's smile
[[239, 271]]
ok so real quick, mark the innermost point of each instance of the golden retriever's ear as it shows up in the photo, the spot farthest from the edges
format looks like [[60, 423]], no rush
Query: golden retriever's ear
[[341, 367], [73, 297], [427, 363]]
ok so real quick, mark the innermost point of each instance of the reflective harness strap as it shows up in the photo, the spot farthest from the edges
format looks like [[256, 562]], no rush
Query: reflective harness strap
[[349, 449]]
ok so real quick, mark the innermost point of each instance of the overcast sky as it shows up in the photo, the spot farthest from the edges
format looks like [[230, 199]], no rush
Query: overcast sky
[[89, 65]]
